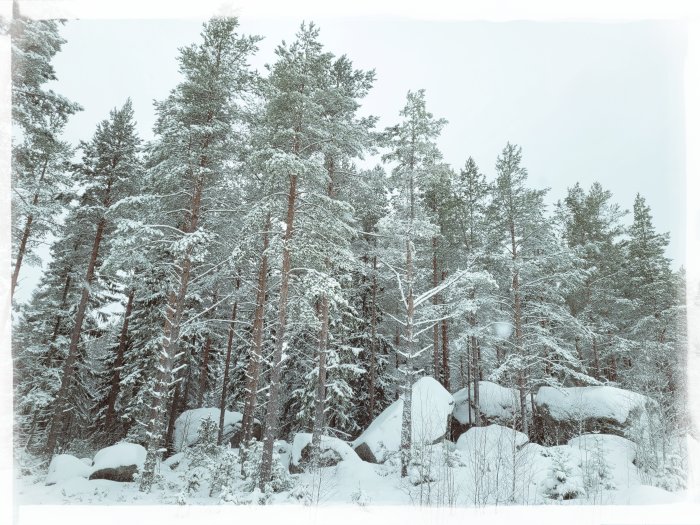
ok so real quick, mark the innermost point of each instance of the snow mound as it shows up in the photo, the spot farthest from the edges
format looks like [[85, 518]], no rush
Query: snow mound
[[614, 454], [587, 402], [490, 439], [430, 409], [120, 455], [65, 466], [187, 425], [340, 447]]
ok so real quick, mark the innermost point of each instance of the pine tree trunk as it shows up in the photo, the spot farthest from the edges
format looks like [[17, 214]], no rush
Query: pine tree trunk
[[272, 416], [406, 423], [204, 372], [227, 366], [169, 344], [110, 417], [253, 372], [206, 356], [477, 378], [320, 402], [522, 378], [25, 235], [445, 350], [469, 383], [61, 402], [373, 344], [21, 251], [436, 328], [596, 361], [172, 416], [57, 322]]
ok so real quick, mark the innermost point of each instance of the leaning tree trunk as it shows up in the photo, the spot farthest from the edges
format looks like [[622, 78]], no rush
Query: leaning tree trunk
[[25, 235], [272, 416], [110, 417], [227, 366], [253, 371], [436, 327], [61, 402]]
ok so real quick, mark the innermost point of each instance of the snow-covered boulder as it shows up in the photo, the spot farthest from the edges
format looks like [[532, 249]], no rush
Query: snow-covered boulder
[[610, 454], [431, 408], [566, 412], [333, 451], [490, 439], [186, 432], [65, 466], [497, 405], [119, 462]]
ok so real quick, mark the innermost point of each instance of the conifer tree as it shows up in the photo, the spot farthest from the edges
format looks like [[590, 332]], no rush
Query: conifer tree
[[39, 157], [108, 171], [195, 138]]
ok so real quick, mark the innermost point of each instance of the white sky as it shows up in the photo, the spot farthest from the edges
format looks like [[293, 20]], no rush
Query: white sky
[[586, 101]]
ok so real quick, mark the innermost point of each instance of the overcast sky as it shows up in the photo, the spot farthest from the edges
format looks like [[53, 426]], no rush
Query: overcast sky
[[586, 101]]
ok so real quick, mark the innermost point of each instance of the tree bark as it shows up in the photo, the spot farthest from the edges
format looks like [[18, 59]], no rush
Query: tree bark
[[406, 422], [110, 417], [25, 235], [445, 349], [373, 344], [204, 372], [169, 344], [272, 416], [522, 378], [436, 328], [253, 372], [227, 366], [61, 401], [320, 402]]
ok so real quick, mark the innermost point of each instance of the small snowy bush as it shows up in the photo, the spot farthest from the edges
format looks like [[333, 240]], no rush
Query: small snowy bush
[[208, 463], [562, 483], [597, 475], [360, 497], [281, 479]]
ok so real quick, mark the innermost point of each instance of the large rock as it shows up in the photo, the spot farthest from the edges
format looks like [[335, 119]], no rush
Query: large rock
[[563, 413], [186, 432], [123, 474], [491, 439], [333, 451], [119, 462], [431, 409], [65, 466], [498, 405]]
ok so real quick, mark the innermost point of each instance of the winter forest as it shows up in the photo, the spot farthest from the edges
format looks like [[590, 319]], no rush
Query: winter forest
[[240, 311]]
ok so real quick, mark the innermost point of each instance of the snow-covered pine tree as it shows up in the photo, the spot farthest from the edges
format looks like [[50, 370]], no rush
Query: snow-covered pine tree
[[408, 232], [108, 172], [309, 115], [468, 234], [195, 140], [536, 272], [592, 227], [39, 157]]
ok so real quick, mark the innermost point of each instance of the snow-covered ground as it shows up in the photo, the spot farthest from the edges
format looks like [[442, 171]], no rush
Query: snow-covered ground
[[488, 465]]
